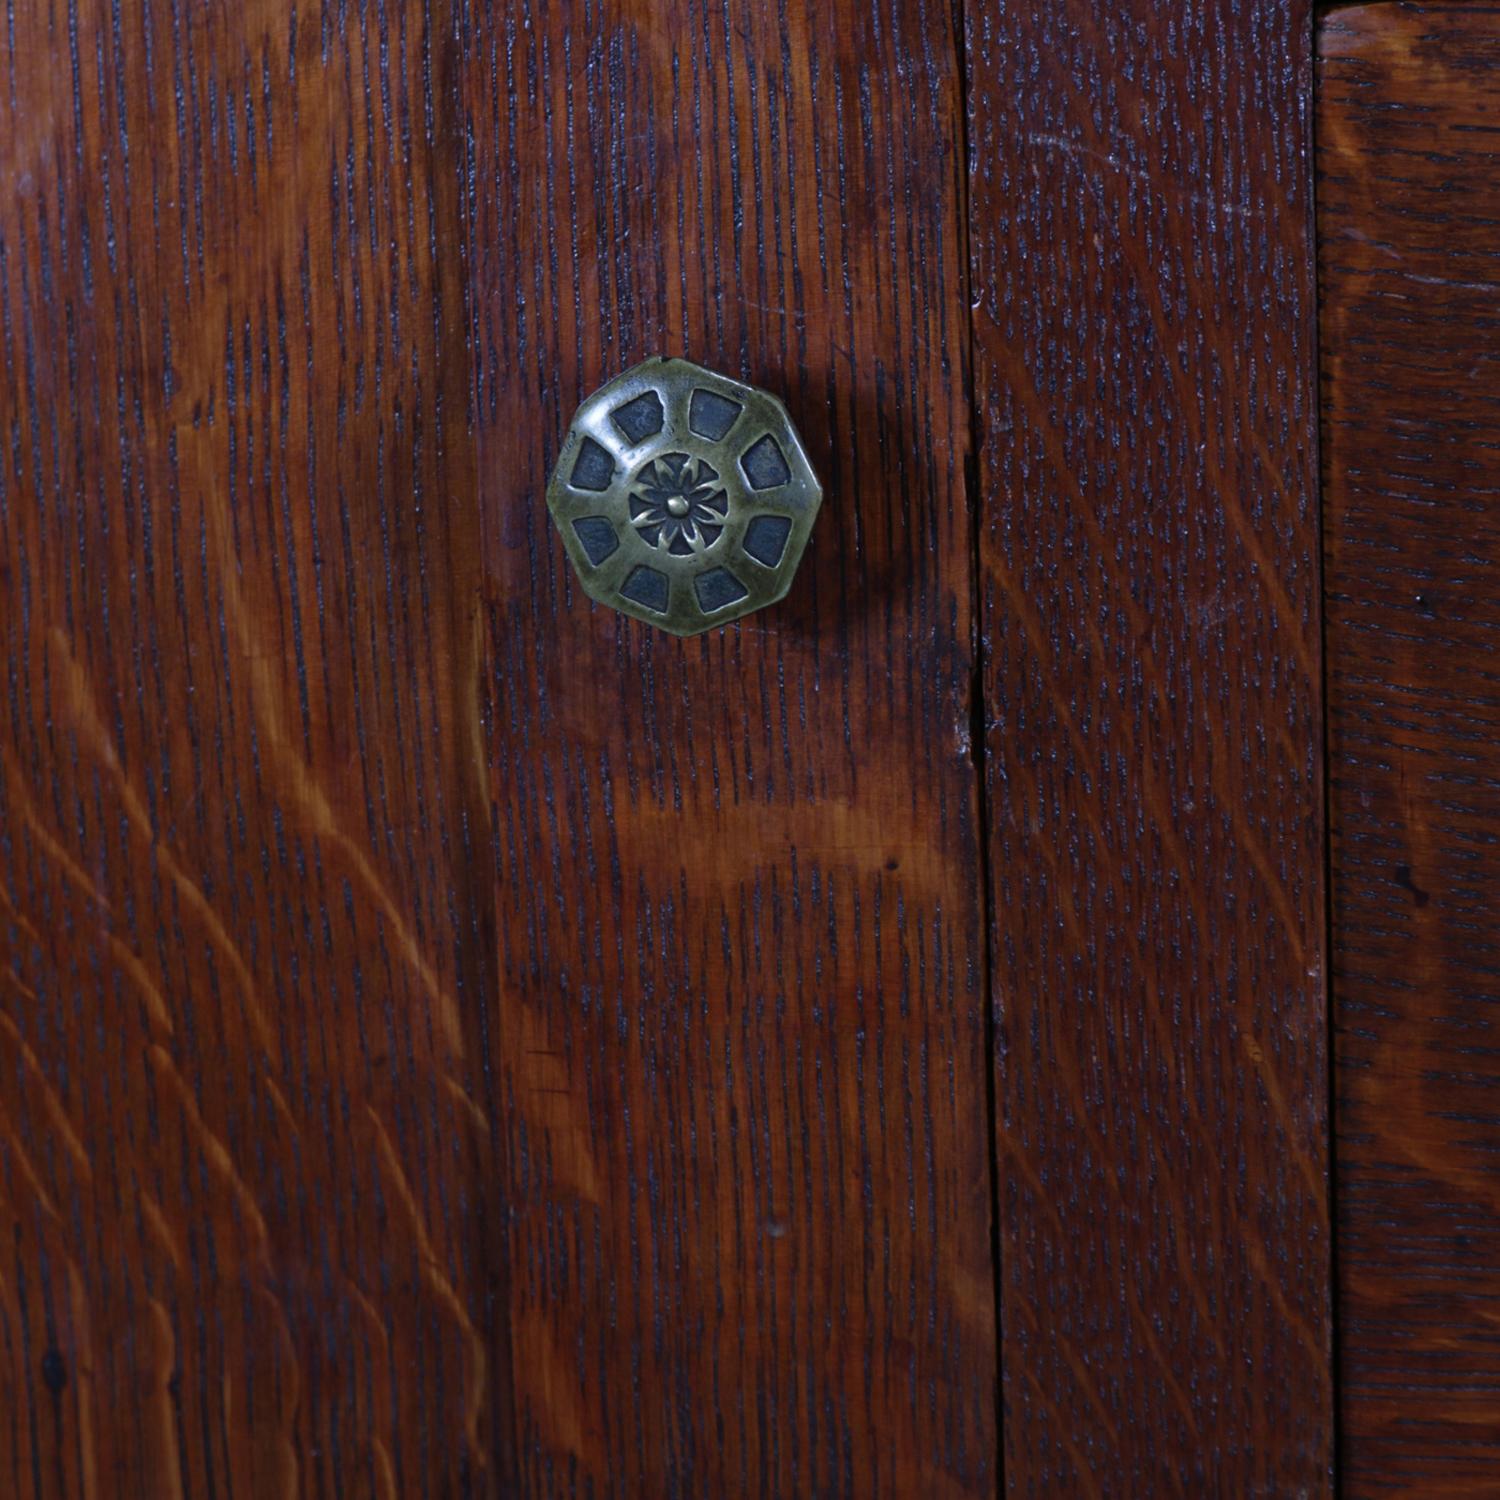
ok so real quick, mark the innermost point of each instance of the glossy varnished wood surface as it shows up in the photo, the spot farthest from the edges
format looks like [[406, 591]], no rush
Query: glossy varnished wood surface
[[741, 998], [452, 1039], [1144, 377], [455, 1040], [1409, 221], [244, 887]]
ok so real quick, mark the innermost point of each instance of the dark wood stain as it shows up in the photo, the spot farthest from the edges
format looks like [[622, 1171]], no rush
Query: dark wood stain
[[1144, 378], [244, 882], [741, 999], [456, 1041], [1409, 220]]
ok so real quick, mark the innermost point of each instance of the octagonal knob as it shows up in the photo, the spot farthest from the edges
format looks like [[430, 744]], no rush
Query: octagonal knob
[[683, 498]]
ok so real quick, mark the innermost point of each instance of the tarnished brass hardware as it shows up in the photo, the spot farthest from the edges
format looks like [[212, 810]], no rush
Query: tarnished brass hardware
[[683, 498]]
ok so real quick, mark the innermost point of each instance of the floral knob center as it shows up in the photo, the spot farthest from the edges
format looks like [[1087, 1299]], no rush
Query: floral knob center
[[678, 504]]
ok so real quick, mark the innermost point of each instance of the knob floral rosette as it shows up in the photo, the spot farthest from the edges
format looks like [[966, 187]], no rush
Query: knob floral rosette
[[683, 498]]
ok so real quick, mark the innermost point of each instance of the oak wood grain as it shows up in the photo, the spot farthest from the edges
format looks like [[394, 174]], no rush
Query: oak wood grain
[[243, 1122], [1409, 255], [739, 907], [1144, 377]]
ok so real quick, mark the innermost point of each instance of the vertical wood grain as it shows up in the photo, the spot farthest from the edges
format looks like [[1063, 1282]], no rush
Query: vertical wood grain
[[1409, 221], [741, 990], [243, 897], [1143, 324]]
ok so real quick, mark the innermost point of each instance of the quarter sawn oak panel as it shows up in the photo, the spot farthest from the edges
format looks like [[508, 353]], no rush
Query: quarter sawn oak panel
[[739, 904], [242, 1115], [1143, 323], [1409, 219]]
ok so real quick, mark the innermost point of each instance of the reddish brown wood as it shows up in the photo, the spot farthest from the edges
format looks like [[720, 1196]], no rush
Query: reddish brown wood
[[454, 1040], [337, 831], [1143, 317], [743, 1076], [1409, 219], [243, 888]]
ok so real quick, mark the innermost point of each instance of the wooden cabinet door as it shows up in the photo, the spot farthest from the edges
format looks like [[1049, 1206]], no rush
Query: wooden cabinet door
[[457, 1040], [741, 1090]]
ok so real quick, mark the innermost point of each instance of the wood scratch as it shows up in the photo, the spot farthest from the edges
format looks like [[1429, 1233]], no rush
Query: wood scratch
[[10, 1145], [157, 1224], [466, 1105], [437, 1281], [288, 1393], [215, 1152], [86, 716], [279, 1103], [1143, 177], [56, 1114], [317, 814], [72, 871], [124, 958], [1313, 1173], [382, 1472], [83, 1383], [166, 1466]]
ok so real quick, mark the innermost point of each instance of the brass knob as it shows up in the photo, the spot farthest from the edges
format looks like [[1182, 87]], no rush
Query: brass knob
[[683, 498]]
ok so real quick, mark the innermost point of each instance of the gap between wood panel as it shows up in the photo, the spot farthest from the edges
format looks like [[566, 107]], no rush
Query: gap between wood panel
[[1321, 9], [978, 719]]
